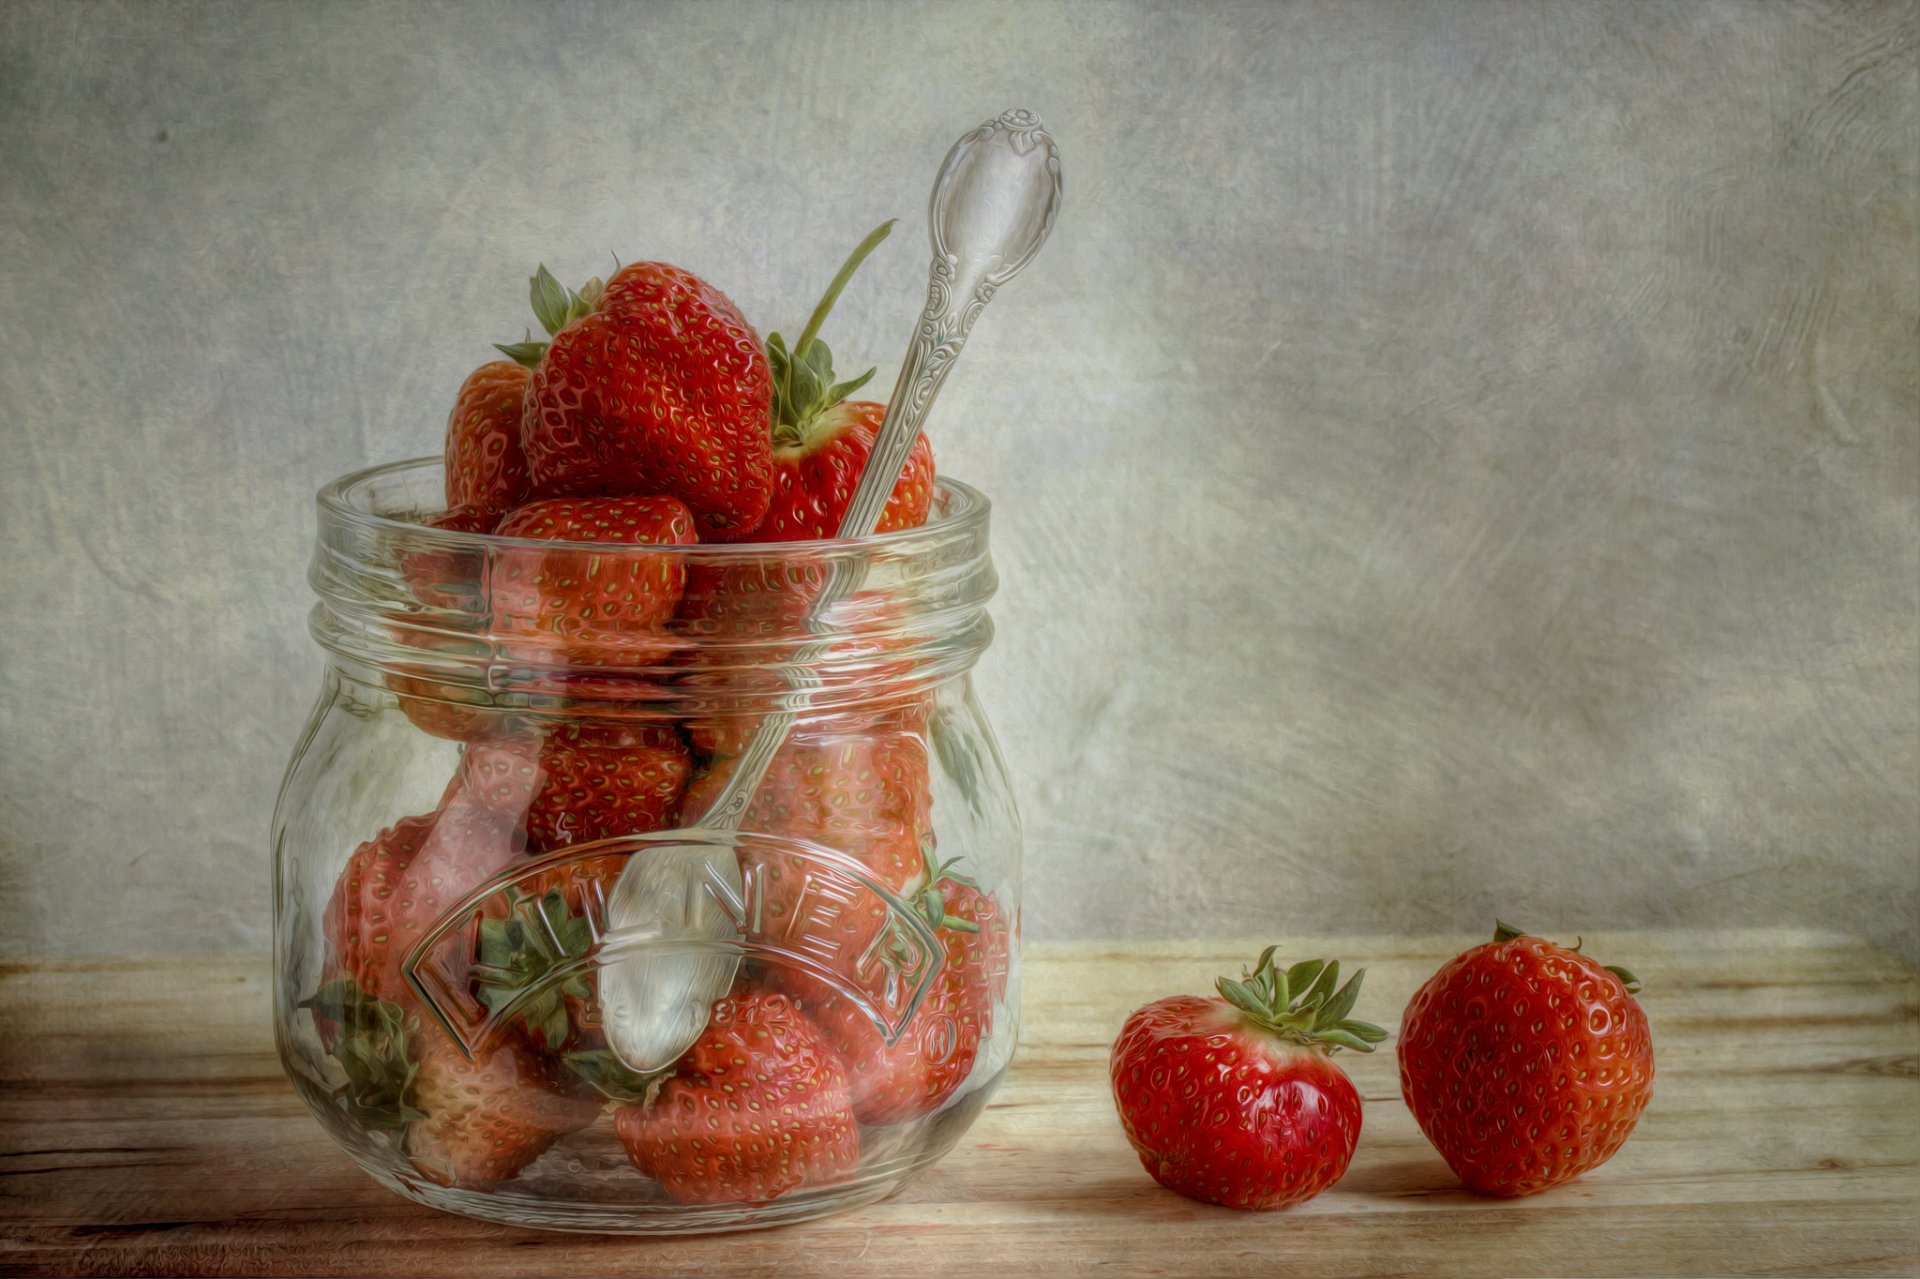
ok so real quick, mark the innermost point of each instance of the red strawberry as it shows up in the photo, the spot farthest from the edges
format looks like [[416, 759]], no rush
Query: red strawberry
[[575, 606], [821, 440], [652, 384], [397, 885], [484, 1120], [1525, 1063], [1237, 1100], [582, 781], [817, 463], [758, 1107], [460, 712], [863, 796], [449, 577], [741, 617], [485, 465], [935, 1051], [466, 1123], [531, 950]]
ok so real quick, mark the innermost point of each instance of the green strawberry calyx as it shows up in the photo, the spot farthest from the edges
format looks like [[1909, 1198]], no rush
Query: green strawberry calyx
[[1301, 1004], [523, 951], [1507, 932], [372, 1046], [555, 306], [521, 957], [803, 385], [931, 903]]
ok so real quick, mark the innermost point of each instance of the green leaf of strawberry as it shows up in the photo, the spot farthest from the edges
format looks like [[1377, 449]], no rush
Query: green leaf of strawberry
[[371, 1041], [1317, 1015], [522, 952]]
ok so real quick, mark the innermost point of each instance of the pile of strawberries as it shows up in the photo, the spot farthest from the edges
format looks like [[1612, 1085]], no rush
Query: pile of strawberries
[[652, 415]]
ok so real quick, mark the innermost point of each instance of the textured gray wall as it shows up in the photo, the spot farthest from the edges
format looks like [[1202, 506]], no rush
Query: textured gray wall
[[1451, 455]]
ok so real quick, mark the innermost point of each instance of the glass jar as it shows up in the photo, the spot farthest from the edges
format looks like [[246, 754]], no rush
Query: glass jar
[[517, 978]]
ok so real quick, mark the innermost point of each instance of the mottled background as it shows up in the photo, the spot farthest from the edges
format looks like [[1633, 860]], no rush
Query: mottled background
[[1450, 455]]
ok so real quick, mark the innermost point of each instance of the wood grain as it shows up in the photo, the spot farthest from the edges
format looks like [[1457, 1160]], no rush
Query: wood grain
[[148, 1129]]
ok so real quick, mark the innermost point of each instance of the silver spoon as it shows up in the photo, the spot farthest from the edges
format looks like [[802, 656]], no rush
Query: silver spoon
[[992, 206]]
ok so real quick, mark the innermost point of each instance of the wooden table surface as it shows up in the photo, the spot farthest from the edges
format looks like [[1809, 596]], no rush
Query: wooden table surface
[[148, 1129]]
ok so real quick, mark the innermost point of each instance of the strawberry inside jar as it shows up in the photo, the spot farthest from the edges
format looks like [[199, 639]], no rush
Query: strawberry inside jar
[[511, 718]]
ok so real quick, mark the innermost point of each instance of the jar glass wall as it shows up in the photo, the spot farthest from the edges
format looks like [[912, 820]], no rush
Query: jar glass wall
[[516, 979]]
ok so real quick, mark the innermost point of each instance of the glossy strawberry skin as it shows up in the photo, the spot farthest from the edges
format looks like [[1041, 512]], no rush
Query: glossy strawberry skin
[[485, 466], [936, 1050], [1221, 1112], [582, 781], [662, 388], [1525, 1064], [487, 1118], [759, 1106], [817, 468], [573, 606], [397, 885]]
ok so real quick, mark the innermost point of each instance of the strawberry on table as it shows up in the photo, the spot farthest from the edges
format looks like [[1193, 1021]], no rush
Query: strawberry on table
[[1525, 1063], [486, 468], [1237, 1100], [652, 384], [759, 1106], [936, 1049]]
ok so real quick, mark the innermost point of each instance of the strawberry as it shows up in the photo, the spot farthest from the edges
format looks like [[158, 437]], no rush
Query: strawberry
[[573, 606], [865, 796], [652, 384], [758, 1106], [486, 468], [1525, 1063], [821, 440], [1237, 1100], [817, 463], [464, 1122], [483, 1120], [582, 781], [935, 1050], [741, 618], [458, 712], [397, 885], [449, 576], [528, 939]]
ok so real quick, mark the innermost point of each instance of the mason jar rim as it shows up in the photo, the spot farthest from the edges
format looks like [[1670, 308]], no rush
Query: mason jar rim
[[965, 509]]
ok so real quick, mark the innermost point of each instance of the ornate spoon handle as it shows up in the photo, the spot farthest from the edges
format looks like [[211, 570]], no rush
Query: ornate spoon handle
[[992, 207]]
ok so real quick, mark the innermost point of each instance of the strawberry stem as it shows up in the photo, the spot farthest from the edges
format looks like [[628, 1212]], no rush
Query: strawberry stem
[[847, 269], [1507, 932], [803, 385]]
